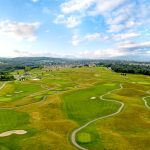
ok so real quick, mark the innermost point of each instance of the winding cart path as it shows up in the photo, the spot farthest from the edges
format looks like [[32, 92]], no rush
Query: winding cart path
[[101, 97]]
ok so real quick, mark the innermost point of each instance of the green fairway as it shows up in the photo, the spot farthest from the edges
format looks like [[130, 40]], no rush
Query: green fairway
[[100, 69], [5, 99], [143, 82], [51, 92], [78, 106]]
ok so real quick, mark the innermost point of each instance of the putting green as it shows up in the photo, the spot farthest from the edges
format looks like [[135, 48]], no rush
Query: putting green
[[59, 89], [5, 99], [51, 92], [110, 84], [38, 97], [84, 137]]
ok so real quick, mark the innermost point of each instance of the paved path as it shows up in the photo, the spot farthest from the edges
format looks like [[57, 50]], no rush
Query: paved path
[[101, 97], [146, 101], [3, 85]]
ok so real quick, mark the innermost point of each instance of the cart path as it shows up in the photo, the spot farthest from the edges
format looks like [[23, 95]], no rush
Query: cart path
[[26, 104], [146, 101], [3, 85], [101, 97]]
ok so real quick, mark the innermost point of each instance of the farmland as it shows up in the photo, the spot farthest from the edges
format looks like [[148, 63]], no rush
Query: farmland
[[54, 103]]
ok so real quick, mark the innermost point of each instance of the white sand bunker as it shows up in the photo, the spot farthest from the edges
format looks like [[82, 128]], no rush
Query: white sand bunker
[[9, 95], [92, 97], [35, 79], [97, 75], [133, 82], [7, 133]]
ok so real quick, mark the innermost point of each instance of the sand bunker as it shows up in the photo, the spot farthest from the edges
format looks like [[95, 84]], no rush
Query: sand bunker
[[133, 82], [97, 75], [35, 79], [9, 95], [7, 133], [92, 97]]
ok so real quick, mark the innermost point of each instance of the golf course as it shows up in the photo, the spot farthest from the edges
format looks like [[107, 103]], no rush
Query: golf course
[[88, 108]]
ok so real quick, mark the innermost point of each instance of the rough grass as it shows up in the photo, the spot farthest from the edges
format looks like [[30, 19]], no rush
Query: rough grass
[[130, 128], [50, 123], [132, 93], [47, 115]]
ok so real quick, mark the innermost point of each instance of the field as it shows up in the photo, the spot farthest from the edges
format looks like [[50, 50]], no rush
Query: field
[[66, 99]]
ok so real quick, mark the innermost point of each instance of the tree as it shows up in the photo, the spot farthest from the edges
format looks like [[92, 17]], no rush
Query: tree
[[40, 67], [27, 69]]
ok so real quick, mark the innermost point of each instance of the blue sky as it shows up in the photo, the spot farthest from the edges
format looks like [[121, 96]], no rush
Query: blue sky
[[96, 29]]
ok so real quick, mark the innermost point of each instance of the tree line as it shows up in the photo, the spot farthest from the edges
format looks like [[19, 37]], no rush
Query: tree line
[[135, 69], [6, 78]]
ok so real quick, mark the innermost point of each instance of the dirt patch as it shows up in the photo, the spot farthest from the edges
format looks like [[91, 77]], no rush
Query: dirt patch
[[7, 133]]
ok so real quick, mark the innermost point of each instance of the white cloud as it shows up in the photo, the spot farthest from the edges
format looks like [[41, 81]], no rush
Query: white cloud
[[125, 36], [19, 31], [127, 48], [22, 53], [70, 22], [131, 24], [76, 42], [47, 11], [76, 5], [117, 14], [92, 37], [116, 28], [47, 30], [131, 46], [105, 6]]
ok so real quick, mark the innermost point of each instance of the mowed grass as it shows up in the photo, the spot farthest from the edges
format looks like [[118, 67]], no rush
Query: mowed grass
[[78, 106], [143, 82], [84, 137], [5, 99], [51, 92], [10, 120]]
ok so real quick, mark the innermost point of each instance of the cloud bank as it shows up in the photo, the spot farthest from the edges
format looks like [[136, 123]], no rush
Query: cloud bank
[[19, 31]]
